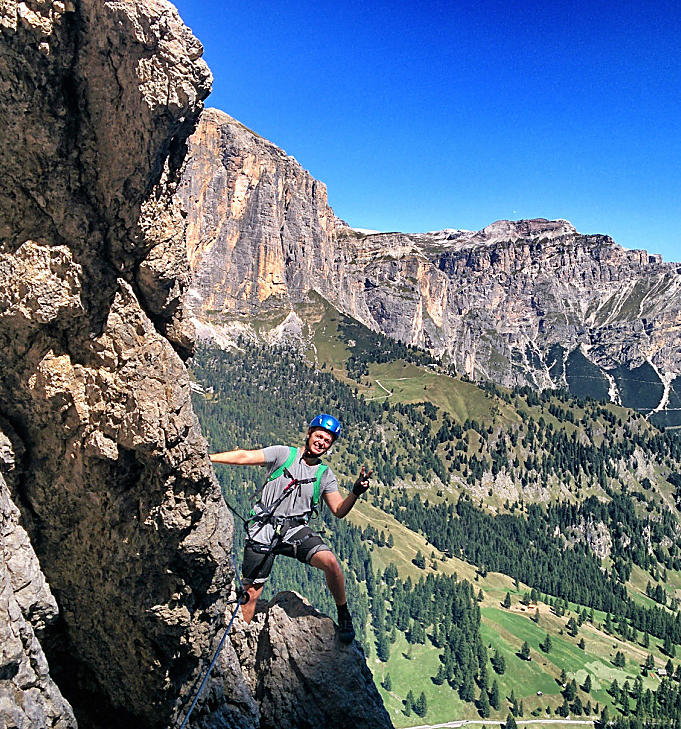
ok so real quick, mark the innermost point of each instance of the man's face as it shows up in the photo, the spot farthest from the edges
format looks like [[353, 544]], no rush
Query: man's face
[[319, 441]]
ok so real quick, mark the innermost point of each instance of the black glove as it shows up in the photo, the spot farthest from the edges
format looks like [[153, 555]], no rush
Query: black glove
[[362, 482]]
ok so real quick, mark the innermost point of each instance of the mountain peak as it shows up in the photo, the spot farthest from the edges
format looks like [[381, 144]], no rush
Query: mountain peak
[[511, 230]]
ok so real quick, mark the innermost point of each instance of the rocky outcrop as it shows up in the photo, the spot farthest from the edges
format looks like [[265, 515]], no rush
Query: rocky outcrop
[[113, 483], [519, 302], [28, 695], [259, 228], [301, 675]]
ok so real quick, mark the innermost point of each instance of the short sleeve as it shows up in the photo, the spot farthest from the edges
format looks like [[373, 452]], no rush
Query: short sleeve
[[275, 456], [329, 483]]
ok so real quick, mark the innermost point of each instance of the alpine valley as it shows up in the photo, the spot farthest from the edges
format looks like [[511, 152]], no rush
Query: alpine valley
[[516, 391]]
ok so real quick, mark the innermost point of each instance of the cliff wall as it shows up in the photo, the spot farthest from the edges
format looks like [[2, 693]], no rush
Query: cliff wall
[[259, 228], [111, 476]]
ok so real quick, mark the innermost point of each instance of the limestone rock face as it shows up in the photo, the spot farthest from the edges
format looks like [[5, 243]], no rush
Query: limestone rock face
[[259, 228], [113, 484], [519, 302], [301, 675]]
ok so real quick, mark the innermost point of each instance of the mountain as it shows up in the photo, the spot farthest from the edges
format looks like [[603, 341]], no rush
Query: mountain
[[520, 302]]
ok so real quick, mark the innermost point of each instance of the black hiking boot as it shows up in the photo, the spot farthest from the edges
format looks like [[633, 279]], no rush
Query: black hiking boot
[[346, 633]]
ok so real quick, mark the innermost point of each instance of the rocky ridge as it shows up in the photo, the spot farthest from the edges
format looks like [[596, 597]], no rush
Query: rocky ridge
[[114, 535], [519, 302]]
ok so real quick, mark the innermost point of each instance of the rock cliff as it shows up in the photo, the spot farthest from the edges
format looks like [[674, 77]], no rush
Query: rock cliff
[[259, 229], [114, 536], [113, 484], [525, 302]]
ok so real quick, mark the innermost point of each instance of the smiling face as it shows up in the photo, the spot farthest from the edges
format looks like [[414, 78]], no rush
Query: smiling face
[[319, 441]]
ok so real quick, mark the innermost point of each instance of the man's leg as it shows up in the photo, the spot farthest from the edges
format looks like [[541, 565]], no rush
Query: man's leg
[[253, 592], [255, 569], [326, 561]]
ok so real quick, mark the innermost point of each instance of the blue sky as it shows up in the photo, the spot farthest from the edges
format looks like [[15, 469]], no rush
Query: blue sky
[[430, 115]]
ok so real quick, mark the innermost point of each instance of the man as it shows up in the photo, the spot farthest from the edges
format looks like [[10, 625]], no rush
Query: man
[[278, 524]]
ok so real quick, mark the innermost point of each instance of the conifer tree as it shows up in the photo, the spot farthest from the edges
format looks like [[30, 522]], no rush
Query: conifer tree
[[494, 698], [484, 704], [421, 705]]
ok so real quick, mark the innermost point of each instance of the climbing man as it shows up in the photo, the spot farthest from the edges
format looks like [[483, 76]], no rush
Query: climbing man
[[278, 523]]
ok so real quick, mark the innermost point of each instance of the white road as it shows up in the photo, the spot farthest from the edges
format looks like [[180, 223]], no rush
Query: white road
[[519, 721]]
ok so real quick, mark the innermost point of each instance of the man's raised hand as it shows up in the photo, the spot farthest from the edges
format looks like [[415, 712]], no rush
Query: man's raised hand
[[362, 482]]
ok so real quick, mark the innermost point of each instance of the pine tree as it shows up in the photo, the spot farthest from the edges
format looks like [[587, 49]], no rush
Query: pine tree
[[498, 662], [494, 698], [587, 683], [507, 601], [484, 704], [387, 682], [510, 722], [525, 651], [383, 647], [409, 702], [421, 705]]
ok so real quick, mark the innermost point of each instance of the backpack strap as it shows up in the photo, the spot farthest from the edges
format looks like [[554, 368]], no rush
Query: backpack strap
[[292, 452], [317, 482]]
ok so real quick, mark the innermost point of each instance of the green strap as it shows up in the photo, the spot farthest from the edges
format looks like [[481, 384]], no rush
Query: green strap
[[288, 462], [317, 483]]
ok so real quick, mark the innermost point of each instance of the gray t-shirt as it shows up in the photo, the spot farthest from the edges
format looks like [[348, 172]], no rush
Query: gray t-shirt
[[299, 501]]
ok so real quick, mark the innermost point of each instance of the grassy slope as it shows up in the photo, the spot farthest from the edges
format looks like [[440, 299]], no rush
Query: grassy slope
[[503, 630]]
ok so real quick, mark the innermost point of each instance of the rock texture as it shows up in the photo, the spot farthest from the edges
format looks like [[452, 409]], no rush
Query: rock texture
[[258, 225], [113, 483], [525, 302], [28, 695], [300, 673]]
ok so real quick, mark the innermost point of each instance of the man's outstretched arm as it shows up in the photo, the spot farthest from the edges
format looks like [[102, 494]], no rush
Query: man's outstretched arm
[[239, 457]]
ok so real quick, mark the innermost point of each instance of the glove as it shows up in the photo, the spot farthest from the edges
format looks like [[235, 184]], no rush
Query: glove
[[362, 482]]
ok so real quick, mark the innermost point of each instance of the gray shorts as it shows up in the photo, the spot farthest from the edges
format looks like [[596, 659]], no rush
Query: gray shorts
[[302, 545]]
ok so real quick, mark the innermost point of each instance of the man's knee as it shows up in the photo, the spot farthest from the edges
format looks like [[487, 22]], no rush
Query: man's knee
[[325, 560]]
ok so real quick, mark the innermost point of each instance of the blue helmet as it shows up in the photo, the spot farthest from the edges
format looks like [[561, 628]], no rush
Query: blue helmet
[[328, 422]]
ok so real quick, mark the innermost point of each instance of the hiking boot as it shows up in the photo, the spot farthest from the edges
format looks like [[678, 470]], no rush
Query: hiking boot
[[346, 633]]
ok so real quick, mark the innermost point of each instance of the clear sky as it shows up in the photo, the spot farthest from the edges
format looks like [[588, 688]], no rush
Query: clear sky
[[427, 115]]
